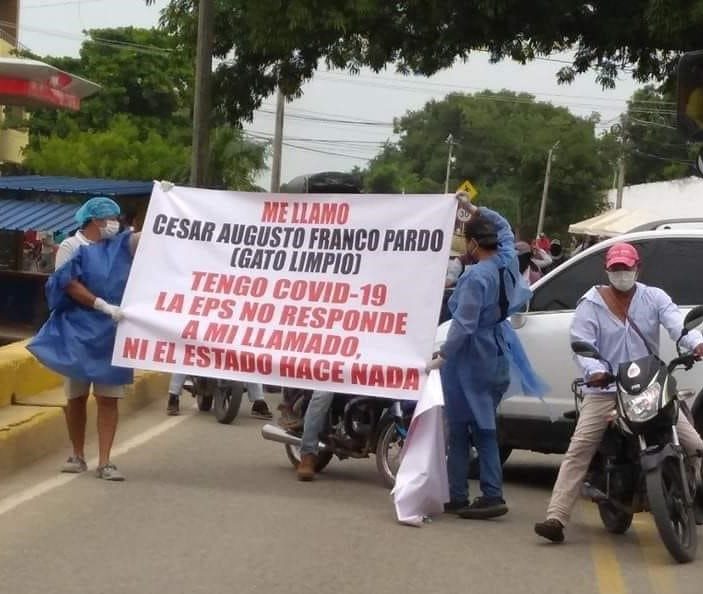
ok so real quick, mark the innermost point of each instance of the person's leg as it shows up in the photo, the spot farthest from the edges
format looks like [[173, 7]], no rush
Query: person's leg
[[314, 423], [693, 444], [691, 441], [491, 503], [588, 434], [107, 399], [75, 413], [175, 387], [490, 467], [458, 464], [259, 408]]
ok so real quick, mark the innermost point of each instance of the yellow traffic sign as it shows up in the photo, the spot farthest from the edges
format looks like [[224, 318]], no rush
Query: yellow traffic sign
[[469, 189]]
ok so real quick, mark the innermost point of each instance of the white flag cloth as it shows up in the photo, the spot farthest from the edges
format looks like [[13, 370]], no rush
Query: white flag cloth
[[421, 486]]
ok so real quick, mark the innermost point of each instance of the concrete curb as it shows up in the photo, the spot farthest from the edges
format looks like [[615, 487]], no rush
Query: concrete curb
[[22, 375], [29, 432]]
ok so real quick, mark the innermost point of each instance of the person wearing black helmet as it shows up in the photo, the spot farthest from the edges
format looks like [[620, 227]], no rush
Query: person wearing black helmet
[[476, 361]]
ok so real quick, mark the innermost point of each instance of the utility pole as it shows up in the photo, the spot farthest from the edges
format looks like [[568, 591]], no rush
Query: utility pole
[[621, 181], [545, 189], [450, 142], [202, 108], [278, 143]]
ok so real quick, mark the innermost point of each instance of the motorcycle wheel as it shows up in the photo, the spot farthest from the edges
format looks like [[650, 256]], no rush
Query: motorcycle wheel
[[675, 520], [615, 520], [323, 458], [387, 464], [204, 402], [228, 399]]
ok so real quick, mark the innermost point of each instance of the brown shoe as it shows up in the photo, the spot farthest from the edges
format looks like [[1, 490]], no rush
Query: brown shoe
[[551, 529], [306, 468]]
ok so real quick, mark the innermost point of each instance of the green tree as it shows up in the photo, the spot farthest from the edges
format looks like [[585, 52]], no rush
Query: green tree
[[121, 151], [502, 141], [234, 161], [138, 125], [141, 72], [267, 42], [654, 149]]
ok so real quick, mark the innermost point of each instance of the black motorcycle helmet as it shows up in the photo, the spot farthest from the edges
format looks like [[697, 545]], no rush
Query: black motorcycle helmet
[[483, 232]]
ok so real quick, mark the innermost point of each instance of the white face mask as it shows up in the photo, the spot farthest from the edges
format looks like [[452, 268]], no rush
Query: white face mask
[[110, 229], [622, 280]]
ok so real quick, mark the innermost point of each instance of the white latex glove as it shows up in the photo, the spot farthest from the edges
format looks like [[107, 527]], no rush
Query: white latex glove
[[113, 311], [436, 363], [166, 186]]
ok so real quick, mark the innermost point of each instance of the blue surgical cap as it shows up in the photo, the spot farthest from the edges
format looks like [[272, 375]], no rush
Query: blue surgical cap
[[99, 207]]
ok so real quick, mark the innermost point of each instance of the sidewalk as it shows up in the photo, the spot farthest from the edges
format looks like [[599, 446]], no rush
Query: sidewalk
[[31, 400]]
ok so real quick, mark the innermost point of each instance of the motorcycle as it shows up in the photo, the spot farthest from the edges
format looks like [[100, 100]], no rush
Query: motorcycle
[[356, 427], [640, 465], [225, 395]]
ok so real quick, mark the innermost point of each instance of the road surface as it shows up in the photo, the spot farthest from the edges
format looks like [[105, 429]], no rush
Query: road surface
[[215, 509]]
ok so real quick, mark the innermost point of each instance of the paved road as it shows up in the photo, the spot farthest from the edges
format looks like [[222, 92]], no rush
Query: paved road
[[215, 509]]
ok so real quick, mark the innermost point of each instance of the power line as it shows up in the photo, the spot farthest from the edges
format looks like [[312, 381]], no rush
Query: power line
[[112, 43], [334, 76], [63, 3]]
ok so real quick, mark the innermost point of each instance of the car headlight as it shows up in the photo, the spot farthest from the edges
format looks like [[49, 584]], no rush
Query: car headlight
[[644, 406]]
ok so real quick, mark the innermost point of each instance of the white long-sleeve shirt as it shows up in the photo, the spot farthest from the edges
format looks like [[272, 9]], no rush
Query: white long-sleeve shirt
[[618, 342]]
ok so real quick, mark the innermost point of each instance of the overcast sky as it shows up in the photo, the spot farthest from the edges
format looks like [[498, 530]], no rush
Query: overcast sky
[[366, 103]]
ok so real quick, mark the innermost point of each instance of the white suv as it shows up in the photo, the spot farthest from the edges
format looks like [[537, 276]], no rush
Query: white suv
[[671, 260]]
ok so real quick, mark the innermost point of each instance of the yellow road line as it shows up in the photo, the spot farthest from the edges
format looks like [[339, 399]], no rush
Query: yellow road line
[[605, 561], [660, 567]]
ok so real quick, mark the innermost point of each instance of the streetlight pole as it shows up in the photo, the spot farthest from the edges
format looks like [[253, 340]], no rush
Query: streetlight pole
[[545, 189], [202, 107], [450, 142], [278, 143]]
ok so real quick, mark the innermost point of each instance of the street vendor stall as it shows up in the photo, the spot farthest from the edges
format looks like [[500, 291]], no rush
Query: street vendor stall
[[36, 214], [613, 222]]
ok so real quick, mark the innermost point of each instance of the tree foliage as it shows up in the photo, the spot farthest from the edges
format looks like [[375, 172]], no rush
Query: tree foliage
[[138, 126], [118, 152], [654, 149], [502, 141], [267, 42]]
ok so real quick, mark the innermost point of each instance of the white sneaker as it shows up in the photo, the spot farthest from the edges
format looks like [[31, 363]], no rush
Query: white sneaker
[[109, 472], [74, 465]]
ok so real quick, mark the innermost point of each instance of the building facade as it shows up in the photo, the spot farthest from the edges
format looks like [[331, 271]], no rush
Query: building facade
[[13, 135]]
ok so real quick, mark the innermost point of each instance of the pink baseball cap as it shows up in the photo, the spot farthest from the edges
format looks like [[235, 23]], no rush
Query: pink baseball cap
[[622, 253]]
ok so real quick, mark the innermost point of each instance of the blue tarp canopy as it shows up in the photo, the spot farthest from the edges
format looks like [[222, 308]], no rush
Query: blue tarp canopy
[[25, 215], [76, 186]]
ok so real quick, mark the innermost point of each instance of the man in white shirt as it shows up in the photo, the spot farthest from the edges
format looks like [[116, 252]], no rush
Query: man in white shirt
[[622, 321]]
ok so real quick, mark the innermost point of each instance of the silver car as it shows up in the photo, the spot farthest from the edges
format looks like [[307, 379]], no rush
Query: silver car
[[671, 260]]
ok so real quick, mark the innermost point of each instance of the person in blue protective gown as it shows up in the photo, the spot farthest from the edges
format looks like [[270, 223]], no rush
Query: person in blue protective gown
[[77, 340], [480, 358]]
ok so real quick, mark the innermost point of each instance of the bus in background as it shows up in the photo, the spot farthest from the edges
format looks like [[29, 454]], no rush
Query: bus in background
[[328, 182]]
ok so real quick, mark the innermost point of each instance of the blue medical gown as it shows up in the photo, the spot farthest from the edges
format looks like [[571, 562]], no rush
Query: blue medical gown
[[76, 341], [484, 356]]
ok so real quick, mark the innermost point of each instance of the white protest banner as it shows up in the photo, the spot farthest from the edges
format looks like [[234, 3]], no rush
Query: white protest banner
[[335, 292]]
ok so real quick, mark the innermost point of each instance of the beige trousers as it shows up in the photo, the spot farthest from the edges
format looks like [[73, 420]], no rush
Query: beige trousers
[[592, 423]]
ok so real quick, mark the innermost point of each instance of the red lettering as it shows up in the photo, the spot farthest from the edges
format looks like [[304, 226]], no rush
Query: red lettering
[[274, 212], [135, 348]]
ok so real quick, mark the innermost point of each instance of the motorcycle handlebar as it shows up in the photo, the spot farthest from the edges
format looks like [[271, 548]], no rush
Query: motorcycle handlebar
[[686, 361]]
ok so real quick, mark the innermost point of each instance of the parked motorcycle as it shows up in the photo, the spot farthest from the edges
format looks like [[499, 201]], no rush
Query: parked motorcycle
[[225, 395], [640, 465], [357, 426]]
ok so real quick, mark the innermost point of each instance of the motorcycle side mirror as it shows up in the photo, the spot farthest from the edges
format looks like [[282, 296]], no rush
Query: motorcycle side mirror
[[693, 319], [583, 349]]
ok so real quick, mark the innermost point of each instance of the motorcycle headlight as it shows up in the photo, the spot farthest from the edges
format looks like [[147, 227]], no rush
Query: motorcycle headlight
[[644, 406]]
